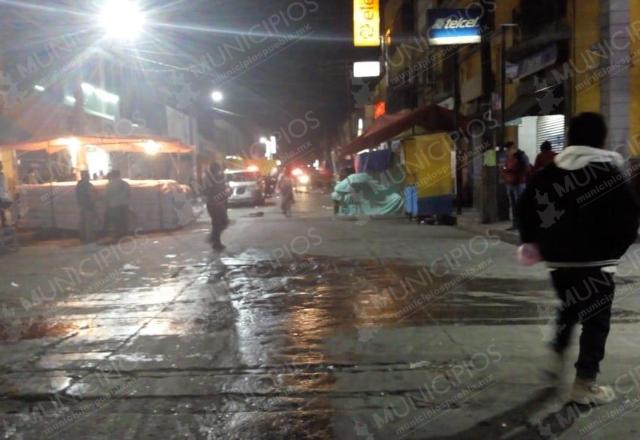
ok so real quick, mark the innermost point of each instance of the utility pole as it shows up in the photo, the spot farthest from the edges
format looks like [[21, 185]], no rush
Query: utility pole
[[489, 207], [456, 113]]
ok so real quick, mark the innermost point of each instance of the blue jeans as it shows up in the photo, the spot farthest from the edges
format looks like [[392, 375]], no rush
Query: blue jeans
[[513, 193]]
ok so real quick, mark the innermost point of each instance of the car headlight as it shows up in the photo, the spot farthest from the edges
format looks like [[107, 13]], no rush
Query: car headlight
[[304, 179]]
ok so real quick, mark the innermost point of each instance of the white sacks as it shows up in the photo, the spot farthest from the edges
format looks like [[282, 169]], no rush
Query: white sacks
[[155, 205]]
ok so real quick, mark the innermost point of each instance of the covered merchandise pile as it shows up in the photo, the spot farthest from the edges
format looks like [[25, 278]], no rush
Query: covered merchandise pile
[[361, 194], [154, 205]]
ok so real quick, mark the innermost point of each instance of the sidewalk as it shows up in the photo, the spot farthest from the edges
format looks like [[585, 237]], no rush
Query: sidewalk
[[469, 221]]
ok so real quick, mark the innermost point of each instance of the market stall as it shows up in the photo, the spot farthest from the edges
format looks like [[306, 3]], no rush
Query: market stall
[[155, 204], [429, 166]]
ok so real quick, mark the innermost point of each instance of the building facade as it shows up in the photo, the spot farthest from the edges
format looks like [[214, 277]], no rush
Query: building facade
[[539, 63]]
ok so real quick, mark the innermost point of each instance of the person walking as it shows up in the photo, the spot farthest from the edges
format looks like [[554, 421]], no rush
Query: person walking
[[5, 198], [514, 173], [285, 188], [86, 198], [216, 193], [118, 194], [544, 157], [581, 215]]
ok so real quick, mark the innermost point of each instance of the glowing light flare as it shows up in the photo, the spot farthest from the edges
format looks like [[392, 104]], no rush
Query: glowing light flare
[[151, 148], [297, 172], [304, 179], [121, 20], [73, 148], [217, 96], [253, 168]]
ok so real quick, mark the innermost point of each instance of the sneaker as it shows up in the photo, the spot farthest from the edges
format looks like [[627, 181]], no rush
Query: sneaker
[[587, 392], [219, 247]]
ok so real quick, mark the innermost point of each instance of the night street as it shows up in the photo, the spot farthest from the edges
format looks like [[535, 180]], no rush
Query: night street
[[320, 220], [305, 327]]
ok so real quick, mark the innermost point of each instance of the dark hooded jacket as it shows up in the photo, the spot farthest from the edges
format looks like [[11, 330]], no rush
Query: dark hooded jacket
[[579, 210]]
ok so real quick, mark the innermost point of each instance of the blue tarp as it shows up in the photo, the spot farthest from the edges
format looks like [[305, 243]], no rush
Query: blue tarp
[[361, 194], [373, 161]]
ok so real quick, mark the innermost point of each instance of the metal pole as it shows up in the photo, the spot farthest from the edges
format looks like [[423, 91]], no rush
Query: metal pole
[[489, 210], [502, 136], [456, 113], [503, 85], [51, 194]]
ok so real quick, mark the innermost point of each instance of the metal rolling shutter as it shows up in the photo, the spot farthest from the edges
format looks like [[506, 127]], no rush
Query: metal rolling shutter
[[551, 128]]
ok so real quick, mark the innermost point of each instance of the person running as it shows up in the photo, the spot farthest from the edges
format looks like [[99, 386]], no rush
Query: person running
[[544, 157], [581, 215], [86, 198], [216, 193]]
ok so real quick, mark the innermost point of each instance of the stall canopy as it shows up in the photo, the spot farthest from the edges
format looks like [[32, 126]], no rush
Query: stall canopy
[[432, 118], [124, 144]]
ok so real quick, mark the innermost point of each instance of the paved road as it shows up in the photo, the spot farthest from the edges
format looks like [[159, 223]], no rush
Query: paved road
[[305, 327]]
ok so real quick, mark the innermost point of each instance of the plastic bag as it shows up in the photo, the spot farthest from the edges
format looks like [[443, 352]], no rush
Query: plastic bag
[[529, 254]]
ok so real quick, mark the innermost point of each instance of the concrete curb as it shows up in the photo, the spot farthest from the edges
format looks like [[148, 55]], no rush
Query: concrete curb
[[470, 225]]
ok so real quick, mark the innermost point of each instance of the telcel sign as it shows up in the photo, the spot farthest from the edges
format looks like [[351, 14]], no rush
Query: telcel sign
[[366, 23], [454, 26]]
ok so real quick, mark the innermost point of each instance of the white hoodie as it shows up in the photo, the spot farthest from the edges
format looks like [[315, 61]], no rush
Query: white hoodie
[[579, 156]]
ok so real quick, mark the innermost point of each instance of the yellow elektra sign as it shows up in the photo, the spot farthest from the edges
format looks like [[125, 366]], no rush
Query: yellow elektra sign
[[366, 23]]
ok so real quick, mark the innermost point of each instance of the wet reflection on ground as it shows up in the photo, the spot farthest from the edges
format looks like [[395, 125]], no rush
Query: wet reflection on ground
[[249, 347]]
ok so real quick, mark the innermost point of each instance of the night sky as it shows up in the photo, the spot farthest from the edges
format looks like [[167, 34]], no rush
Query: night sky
[[275, 60]]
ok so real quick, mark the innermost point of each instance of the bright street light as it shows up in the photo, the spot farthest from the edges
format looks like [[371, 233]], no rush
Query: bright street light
[[217, 96], [121, 19]]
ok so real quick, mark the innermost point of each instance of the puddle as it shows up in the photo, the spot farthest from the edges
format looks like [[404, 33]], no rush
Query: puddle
[[16, 330], [319, 293]]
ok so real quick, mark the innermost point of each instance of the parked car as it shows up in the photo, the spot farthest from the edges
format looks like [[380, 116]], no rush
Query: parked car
[[247, 187], [302, 179]]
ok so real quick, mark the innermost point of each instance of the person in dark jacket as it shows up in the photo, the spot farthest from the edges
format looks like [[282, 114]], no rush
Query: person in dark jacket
[[544, 157], [581, 214], [514, 173], [215, 191], [117, 195], [86, 198]]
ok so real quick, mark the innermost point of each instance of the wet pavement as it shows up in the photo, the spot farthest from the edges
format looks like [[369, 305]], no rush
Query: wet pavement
[[308, 327]]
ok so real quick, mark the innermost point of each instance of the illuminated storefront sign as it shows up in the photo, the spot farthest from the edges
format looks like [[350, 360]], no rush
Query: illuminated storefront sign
[[366, 23], [366, 69], [454, 26]]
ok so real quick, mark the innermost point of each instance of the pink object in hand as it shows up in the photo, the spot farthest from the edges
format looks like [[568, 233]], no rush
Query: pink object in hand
[[528, 254]]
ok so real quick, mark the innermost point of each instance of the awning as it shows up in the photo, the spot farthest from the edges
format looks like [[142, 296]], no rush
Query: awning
[[127, 144], [525, 105], [558, 32], [538, 104], [432, 118]]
